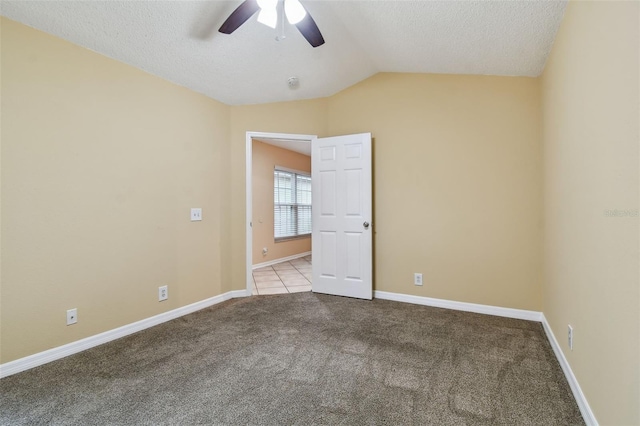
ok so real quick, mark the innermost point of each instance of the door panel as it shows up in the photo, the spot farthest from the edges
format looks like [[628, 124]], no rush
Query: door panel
[[353, 188], [354, 265], [328, 260], [342, 232], [328, 194]]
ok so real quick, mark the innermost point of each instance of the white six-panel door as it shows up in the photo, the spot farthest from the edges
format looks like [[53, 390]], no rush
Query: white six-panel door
[[342, 233]]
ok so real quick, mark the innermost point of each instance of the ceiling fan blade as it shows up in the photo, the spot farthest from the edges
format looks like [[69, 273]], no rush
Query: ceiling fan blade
[[239, 16], [310, 31]]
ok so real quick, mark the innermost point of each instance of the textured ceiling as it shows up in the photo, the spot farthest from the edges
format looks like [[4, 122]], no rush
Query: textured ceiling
[[178, 41]]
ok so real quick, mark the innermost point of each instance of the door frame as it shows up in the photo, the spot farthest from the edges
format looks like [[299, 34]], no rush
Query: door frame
[[249, 192]]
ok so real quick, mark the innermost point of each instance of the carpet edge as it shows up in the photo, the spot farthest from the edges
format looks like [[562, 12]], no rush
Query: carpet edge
[[53, 354], [460, 306]]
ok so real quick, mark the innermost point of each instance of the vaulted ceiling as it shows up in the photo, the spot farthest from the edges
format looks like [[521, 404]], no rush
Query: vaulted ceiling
[[178, 41]]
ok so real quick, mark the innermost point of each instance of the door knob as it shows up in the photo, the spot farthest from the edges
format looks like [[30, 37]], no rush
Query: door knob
[[366, 225]]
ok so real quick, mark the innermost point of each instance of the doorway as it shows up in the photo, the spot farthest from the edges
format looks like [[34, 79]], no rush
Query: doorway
[[289, 267]]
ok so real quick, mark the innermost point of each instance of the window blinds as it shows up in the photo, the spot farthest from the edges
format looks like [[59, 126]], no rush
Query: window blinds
[[292, 204]]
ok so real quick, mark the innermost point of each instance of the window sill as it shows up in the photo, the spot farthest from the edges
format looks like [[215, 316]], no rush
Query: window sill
[[295, 237]]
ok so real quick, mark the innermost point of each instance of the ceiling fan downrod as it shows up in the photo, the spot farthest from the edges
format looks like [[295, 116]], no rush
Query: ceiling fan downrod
[[282, 35]]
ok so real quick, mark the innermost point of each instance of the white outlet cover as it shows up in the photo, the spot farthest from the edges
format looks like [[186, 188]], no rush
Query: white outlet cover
[[163, 293], [417, 278], [196, 214], [72, 316]]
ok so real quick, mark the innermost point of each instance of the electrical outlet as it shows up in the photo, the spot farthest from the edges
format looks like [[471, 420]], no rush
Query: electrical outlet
[[72, 316], [163, 293], [570, 337], [264, 251], [196, 214], [417, 278]]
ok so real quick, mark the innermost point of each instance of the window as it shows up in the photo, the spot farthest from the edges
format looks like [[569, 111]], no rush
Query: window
[[291, 204]]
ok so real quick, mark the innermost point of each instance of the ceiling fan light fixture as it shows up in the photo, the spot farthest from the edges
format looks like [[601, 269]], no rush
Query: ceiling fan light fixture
[[268, 18], [267, 4], [268, 12], [294, 10]]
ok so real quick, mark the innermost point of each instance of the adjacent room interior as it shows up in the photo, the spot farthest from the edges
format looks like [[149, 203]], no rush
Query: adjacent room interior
[[515, 193], [281, 225]]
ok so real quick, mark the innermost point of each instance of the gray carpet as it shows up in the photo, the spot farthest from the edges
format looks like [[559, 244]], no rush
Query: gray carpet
[[305, 359]]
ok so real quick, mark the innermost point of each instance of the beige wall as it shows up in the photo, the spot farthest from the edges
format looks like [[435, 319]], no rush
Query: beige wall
[[591, 136], [123, 130], [457, 183], [264, 158], [101, 163], [461, 153]]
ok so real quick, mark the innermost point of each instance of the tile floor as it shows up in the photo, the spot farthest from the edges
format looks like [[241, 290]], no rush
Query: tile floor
[[286, 277]]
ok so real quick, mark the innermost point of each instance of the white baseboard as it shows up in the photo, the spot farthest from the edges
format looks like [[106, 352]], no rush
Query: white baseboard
[[35, 360], [282, 259], [460, 306], [53, 354], [585, 409]]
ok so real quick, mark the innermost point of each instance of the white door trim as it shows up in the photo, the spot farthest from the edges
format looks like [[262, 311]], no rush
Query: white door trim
[[248, 191]]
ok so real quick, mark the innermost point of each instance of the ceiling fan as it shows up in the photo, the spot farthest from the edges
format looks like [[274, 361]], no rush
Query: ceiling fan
[[294, 10]]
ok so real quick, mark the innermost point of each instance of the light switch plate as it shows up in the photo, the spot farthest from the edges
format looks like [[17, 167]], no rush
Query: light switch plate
[[196, 214]]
